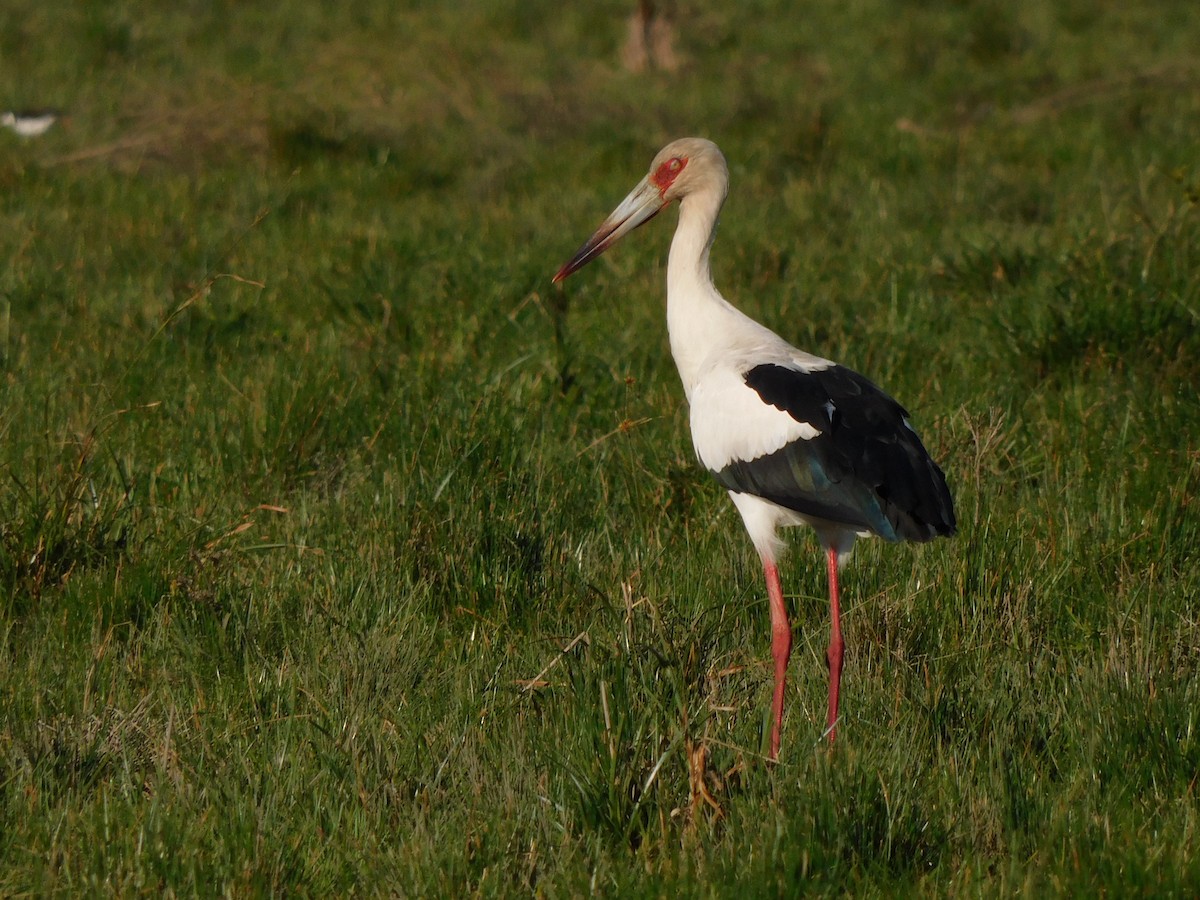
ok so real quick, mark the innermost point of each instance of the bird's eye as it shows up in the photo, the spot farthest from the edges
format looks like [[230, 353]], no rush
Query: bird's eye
[[675, 164]]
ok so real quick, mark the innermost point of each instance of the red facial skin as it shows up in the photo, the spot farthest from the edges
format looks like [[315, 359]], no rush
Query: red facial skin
[[666, 174]]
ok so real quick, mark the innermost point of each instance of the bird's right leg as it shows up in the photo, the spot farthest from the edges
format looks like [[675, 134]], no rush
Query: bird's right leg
[[781, 649], [837, 646]]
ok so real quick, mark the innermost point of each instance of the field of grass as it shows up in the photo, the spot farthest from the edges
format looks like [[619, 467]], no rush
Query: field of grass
[[341, 552]]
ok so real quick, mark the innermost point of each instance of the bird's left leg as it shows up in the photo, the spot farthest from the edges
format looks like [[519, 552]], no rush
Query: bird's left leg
[[781, 649], [837, 646]]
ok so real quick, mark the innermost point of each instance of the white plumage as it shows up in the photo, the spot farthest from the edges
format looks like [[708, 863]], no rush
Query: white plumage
[[761, 429]]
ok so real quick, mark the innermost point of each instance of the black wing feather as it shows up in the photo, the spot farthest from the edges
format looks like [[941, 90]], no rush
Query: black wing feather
[[866, 468]]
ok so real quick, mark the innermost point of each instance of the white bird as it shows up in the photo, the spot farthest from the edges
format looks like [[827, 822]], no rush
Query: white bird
[[29, 124], [796, 439]]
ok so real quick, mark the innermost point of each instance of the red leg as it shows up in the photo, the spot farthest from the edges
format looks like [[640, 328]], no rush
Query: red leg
[[837, 646], [781, 649]]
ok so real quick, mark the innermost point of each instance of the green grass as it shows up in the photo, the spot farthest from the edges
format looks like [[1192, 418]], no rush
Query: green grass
[[339, 551]]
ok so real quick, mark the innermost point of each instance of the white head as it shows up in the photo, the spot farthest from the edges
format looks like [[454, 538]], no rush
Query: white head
[[682, 168], [688, 166]]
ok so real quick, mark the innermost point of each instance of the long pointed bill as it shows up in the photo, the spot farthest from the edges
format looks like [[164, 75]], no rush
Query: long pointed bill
[[643, 203]]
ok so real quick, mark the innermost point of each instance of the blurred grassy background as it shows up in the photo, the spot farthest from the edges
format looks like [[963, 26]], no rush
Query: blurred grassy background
[[341, 552]]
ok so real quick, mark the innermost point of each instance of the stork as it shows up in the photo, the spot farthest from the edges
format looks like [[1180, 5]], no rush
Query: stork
[[794, 438]]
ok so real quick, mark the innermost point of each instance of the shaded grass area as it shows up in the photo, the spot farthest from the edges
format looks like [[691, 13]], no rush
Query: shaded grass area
[[339, 551]]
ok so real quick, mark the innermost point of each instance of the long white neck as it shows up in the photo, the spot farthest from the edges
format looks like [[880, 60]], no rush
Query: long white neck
[[699, 319]]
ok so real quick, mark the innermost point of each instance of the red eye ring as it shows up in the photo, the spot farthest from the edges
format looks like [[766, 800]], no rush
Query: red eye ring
[[666, 173]]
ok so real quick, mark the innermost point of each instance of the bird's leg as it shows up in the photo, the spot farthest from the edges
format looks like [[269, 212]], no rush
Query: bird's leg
[[781, 649], [837, 646]]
